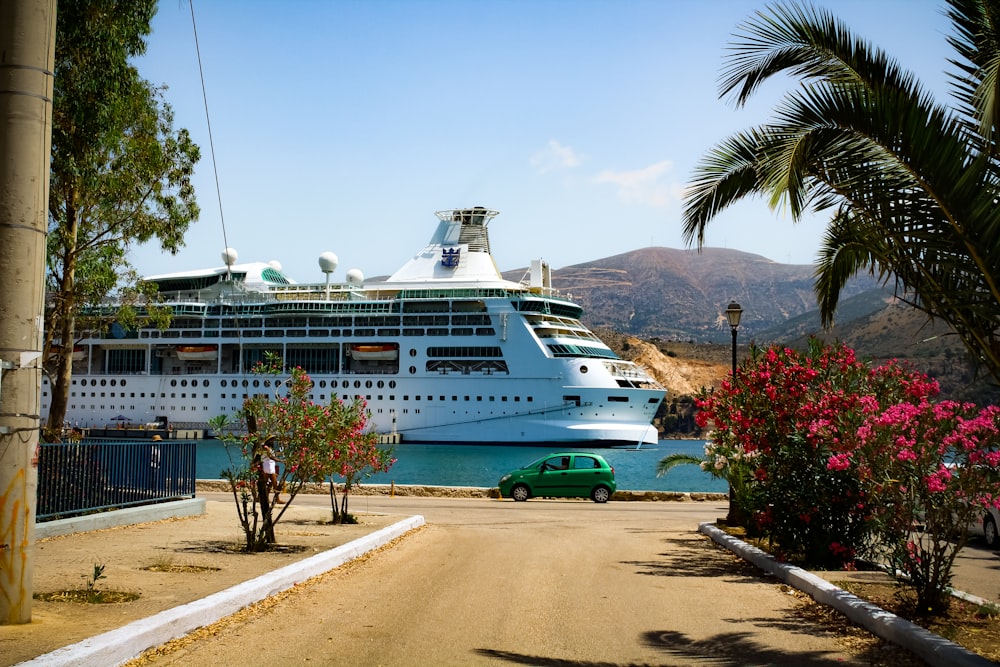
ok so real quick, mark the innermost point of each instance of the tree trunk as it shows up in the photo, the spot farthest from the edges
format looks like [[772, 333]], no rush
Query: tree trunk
[[61, 378]]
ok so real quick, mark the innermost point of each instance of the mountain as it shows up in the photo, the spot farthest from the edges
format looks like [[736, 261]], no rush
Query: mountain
[[665, 308], [681, 295]]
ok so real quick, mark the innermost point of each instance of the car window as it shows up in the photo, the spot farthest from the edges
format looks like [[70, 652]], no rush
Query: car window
[[557, 463], [586, 462]]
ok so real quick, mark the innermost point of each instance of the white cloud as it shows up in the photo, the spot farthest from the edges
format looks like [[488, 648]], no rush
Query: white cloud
[[554, 157], [644, 186]]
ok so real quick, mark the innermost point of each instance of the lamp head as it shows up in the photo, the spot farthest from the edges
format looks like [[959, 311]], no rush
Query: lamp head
[[733, 314]]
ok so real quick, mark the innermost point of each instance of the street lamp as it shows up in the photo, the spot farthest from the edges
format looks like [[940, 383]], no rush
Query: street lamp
[[733, 314]]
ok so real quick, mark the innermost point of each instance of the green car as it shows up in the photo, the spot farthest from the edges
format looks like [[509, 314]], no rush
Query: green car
[[561, 475]]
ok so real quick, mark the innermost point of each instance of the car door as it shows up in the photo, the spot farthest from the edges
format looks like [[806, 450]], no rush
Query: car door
[[553, 477], [585, 473]]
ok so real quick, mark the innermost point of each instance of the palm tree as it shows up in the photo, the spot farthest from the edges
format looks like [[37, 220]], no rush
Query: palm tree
[[911, 185]]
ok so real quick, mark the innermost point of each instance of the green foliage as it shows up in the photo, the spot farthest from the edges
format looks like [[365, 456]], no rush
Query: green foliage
[[120, 175], [92, 580], [910, 184], [835, 461]]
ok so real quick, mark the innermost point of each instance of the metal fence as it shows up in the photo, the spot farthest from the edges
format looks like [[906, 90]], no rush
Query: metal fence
[[94, 475]]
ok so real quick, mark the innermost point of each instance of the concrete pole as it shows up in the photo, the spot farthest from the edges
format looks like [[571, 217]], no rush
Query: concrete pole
[[27, 59]]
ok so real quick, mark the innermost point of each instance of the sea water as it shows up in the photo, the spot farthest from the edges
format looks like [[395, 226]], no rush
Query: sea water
[[482, 465]]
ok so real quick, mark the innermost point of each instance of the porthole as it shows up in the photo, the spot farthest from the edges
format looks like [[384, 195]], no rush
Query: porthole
[[246, 383], [224, 383], [173, 383], [123, 383], [413, 352], [392, 384], [381, 383], [357, 384], [413, 369], [368, 384], [184, 383], [584, 369], [322, 384], [104, 382], [267, 383], [256, 383], [114, 382]]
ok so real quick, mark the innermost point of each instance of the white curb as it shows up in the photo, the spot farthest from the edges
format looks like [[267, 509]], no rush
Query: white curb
[[933, 649], [121, 645]]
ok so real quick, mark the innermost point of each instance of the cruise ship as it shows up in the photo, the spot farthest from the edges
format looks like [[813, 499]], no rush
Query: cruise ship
[[445, 350]]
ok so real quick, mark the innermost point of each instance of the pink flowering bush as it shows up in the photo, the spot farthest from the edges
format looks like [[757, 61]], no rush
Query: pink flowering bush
[[932, 467], [833, 460], [312, 443]]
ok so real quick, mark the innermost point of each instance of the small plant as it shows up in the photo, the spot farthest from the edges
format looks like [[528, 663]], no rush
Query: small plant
[[93, 579]]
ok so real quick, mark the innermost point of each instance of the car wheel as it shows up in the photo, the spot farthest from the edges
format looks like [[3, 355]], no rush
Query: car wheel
[[990, 531], [520, 493], [601, 494]]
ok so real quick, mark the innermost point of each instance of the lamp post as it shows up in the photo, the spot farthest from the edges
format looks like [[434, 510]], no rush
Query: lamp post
[[733, 314]]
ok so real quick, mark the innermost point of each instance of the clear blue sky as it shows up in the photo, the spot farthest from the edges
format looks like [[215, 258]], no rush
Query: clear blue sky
[[343, 126]]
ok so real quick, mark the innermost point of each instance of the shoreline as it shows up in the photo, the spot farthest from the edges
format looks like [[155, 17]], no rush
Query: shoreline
[[222, 486]]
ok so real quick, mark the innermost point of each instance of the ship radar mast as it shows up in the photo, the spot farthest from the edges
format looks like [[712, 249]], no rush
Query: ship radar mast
[[328, 264], [229, 257]]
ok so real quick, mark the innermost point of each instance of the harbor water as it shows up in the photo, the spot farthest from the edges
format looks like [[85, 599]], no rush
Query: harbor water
[[482, 466]]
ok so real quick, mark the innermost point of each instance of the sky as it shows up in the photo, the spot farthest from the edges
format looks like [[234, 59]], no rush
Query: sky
[[343, 125]]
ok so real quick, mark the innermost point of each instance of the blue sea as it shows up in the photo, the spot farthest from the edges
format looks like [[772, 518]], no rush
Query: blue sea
[[479, 465]]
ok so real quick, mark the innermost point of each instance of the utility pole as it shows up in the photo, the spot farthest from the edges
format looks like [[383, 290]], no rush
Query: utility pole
[[27, 60]]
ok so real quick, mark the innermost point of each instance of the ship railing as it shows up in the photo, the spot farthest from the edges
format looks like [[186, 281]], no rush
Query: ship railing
[[632, 372], [93, 475]]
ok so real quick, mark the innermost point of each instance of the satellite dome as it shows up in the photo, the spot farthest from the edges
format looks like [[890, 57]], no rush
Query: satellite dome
[[355, 277], [229, 256], [327, 262], [275, 264]]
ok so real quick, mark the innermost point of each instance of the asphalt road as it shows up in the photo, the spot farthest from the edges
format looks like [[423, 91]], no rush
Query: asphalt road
[[539, 583]]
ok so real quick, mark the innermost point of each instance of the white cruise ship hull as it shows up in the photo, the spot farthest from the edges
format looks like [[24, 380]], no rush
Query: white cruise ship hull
[[445, 351]]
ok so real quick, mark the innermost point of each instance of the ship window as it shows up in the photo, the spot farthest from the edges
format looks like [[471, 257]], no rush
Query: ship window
[[572, 399], [517, 399], [406, 397], [653, 400], [584, 369], [618, 399], [413, 369], [531, 399]]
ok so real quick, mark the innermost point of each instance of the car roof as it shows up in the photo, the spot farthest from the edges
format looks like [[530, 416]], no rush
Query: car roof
[[575, 454]]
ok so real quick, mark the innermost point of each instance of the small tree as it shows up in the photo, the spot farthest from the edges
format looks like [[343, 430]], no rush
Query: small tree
[[354, 457], [313, 441]]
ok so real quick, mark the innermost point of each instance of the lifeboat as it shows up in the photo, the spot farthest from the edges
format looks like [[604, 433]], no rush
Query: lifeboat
[[375, 352], [197, 352]]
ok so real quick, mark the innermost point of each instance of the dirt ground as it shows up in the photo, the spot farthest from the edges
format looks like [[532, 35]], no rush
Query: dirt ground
[[169, 563]]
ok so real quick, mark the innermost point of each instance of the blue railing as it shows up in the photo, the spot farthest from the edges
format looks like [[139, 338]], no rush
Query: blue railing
[[95, 475]]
